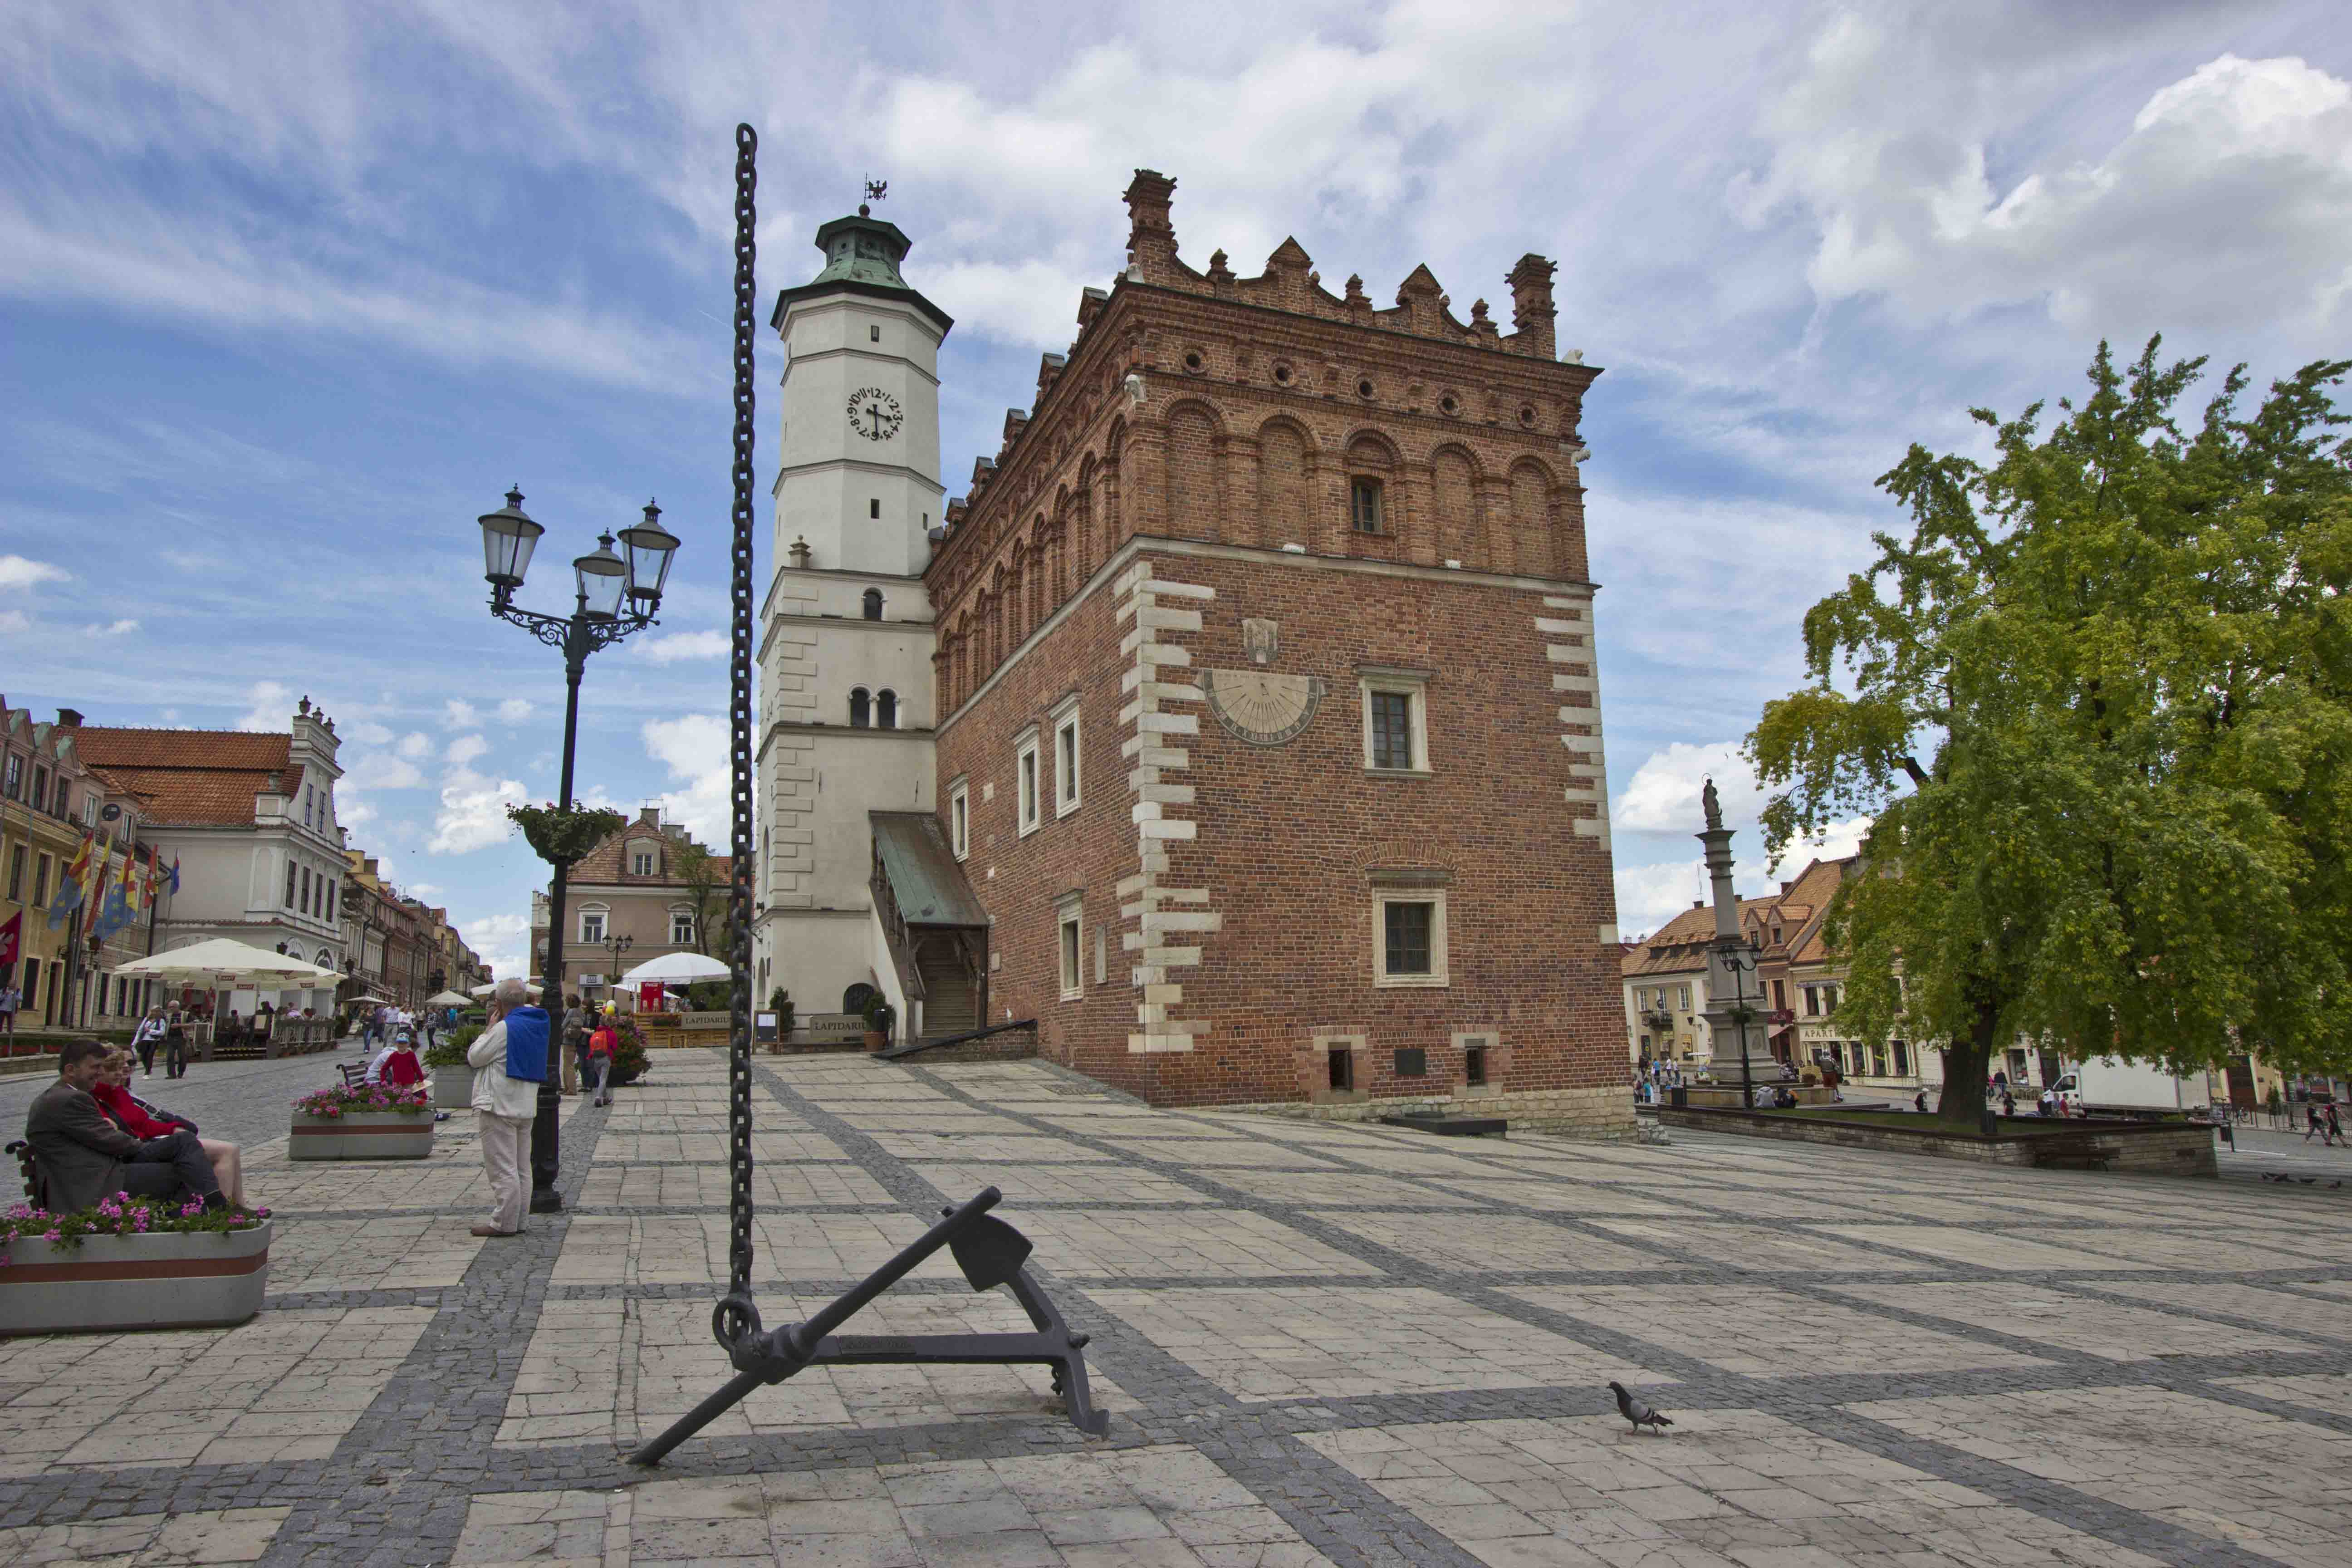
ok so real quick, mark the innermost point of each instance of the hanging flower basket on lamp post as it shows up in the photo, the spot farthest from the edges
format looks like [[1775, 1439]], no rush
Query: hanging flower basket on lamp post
[[560, 836]]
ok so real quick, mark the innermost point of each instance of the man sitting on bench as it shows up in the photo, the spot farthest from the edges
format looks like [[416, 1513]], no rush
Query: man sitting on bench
[[85, 1159]]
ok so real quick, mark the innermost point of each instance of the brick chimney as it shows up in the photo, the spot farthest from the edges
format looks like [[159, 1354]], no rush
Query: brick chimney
[[68, 718], [1531, 306], [1151, 233]]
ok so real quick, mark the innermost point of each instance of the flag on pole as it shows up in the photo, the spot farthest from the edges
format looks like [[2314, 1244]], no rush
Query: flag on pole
[[153, 875], [175, 874], [121, 900], [12, 942], [70, 890], [132, 885]]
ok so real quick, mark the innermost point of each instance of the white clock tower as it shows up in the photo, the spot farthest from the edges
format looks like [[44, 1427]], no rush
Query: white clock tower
[[846, 677]]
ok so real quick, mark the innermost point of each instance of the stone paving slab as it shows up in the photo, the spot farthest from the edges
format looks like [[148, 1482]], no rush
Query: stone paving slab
[[1317, 1342]]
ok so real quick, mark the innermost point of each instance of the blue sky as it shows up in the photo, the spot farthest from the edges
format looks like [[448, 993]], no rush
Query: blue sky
[[291, 293]]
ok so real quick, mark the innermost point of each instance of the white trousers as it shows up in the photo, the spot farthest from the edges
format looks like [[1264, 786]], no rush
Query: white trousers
[[506, 1155]]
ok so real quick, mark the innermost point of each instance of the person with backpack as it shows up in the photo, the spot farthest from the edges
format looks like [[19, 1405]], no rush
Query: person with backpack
[[575, 1045], [604, 1043]]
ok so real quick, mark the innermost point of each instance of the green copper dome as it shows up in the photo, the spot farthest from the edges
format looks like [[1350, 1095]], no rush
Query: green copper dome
[[862, 249]]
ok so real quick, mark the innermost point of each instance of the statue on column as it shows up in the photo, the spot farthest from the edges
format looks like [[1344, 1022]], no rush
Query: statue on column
[[1713, 805]]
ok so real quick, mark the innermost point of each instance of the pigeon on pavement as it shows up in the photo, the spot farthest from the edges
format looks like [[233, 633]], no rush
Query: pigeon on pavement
[[1633, 1410]]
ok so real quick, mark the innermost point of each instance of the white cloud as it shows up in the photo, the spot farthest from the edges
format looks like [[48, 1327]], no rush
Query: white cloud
[[1897, 137], [674, 645], [415, 745], [1649, 896], [381, 770], [16, 571], [503, 941], [114, 629], [694, 749], [370, 734], [1663, 795], [13, 622], [458, 714], [472, 814], [352, 811], [514, 710], [464, 749], [273, 706]]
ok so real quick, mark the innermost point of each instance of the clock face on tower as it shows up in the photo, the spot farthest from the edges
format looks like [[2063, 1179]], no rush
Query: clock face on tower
[[874, 413]]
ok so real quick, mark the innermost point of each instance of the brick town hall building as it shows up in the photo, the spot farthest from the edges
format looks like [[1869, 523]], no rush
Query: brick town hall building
[[1239, 726]]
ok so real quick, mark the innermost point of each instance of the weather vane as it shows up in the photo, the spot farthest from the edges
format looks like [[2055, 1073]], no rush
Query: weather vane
[[876, 189]]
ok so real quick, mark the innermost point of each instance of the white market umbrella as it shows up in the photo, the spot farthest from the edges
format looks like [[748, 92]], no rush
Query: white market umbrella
[[446, 999], [486, 990], [676, 969], [225, 964]]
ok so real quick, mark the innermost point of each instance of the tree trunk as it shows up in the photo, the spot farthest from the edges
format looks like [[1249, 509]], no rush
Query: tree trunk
[[1967, 1064]]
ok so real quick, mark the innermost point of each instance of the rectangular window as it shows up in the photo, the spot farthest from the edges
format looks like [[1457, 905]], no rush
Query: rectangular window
[[1474, 1064], [1812, 1001], [40, 789], [1340, 1064], [1901, 1059], [960, 819], [1071, 945], [681, 928], [1102, 957], [1396, 722], [1829, 998], [306, 890], [330, 899], [873, 334], [643, 863], [16, 784], [1780, 993], [16, 873], [1682, 997], [41, 883], [1364, 505], [289, 884], [1391, 730], [592, 926], [1065, 763], [1025, 784], [1409, 939], [873, 506]]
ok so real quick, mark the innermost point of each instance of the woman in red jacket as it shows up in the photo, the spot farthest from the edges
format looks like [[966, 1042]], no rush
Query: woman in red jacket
[[112, 1092]]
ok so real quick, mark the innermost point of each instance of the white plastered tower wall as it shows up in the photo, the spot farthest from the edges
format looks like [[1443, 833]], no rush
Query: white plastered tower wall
[[856, 496]]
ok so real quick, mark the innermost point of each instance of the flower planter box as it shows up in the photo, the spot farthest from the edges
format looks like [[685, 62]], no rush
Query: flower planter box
[[116, 1282], [453, 1086], [362, 1135]]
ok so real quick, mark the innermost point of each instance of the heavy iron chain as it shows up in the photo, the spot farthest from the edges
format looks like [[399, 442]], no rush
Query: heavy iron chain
[[735, 1318]]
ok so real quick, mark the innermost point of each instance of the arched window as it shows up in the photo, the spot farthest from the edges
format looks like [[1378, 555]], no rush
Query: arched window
[[859, 709], [873, 604], [886, 711]]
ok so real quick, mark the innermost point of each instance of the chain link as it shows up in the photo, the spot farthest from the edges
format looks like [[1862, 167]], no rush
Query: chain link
[[736, 1319]]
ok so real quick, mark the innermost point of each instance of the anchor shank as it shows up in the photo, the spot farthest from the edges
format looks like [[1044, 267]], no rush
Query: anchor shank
[[798, 1341]]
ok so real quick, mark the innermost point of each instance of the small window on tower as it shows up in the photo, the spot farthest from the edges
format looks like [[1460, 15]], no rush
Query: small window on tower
[[873, 604], [861, 709], [873, 506], [873, 334], [1366, 505], [886, 711]]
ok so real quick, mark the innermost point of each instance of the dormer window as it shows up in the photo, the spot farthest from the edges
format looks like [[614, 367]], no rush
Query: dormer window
[[641, 862]]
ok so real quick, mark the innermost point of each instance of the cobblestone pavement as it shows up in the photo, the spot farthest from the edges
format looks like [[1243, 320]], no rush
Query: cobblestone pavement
[[1318, 1345]]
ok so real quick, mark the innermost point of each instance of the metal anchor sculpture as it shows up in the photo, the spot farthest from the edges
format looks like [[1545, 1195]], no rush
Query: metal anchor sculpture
[[989, 1251]]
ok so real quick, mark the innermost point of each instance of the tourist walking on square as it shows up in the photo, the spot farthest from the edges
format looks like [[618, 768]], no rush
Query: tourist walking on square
[[576, 1044], [147, 1036], [2335, 1126], [10, 1000], [2311, 1124], [603, 1041], [510, 1063]]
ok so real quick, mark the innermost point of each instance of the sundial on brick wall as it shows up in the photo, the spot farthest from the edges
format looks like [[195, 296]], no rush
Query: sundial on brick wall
[[1260, 706]]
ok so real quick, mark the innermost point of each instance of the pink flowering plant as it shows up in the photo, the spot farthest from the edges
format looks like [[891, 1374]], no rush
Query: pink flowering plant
[[407, 1100], [120, 1214]]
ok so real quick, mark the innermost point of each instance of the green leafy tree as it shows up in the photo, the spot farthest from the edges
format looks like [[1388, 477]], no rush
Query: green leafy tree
[[709, 892], [2099, 703]]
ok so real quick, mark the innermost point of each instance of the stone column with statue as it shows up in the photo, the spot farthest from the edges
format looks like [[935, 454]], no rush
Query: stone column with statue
[[1735, 1000]]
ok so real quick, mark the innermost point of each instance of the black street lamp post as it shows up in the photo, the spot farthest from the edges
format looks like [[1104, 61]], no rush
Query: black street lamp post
[[1739, 957], [615, 598]]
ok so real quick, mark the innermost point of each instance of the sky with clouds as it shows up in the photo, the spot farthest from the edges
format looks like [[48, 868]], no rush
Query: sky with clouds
[[291, 293]]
